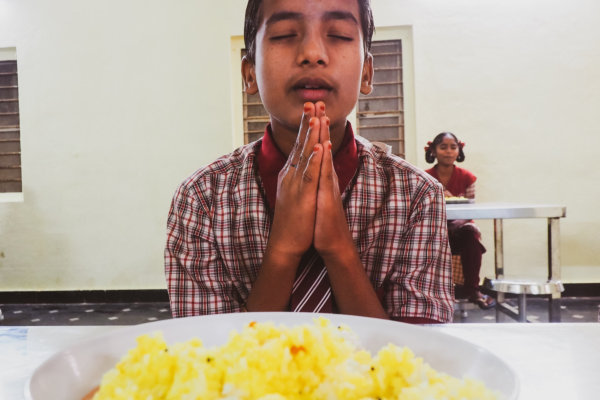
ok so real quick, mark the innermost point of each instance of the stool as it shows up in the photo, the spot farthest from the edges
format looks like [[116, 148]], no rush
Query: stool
[[522, 287], [460, 305]]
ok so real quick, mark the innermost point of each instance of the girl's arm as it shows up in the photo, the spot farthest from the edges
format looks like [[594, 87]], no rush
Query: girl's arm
[[470, 191]]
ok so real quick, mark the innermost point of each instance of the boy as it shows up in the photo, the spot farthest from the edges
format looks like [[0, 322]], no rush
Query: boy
[[309, 218]]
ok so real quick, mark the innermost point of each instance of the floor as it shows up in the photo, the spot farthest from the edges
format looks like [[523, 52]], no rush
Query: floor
[[573, 309], [84, 313]]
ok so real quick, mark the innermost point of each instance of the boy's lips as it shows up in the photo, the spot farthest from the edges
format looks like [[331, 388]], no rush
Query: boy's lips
[[312, 95], [312, 89]]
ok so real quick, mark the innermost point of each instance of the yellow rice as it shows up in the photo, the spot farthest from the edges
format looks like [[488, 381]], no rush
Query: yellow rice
[[269, 362]]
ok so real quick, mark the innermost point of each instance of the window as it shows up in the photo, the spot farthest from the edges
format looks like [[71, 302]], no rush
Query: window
[[10, 146], [255, 115], [380, 114], [255, 118]]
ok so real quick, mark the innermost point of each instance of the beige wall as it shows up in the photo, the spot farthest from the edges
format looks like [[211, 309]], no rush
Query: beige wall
[[121, 100], [518, 81]]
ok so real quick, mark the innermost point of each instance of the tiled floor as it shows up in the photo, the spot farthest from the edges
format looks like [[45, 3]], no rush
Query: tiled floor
[[84, 313], [573, 309]]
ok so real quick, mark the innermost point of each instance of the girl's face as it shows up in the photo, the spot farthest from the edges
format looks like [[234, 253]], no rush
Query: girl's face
[[447, 151]]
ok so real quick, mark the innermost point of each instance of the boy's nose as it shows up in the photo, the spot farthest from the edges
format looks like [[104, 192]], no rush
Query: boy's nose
[[312, 50]]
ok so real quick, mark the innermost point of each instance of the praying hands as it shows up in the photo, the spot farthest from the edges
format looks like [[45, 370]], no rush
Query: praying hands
[[308, 208], [309, 212]]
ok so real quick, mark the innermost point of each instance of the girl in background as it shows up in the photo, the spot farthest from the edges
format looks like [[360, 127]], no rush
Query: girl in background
[[464, 236]]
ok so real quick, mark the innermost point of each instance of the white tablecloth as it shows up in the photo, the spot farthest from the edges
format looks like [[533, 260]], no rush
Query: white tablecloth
[[553, 361]]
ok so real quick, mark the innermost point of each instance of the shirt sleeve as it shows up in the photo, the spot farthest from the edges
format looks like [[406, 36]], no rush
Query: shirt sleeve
[[197, 281], [467, 179], [421, 283]]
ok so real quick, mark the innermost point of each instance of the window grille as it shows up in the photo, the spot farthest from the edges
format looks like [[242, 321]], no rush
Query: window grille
[[10, 140], [381, 114], [255, 115]]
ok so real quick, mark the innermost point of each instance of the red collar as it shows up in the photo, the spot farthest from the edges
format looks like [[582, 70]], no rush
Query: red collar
[[270, 161]]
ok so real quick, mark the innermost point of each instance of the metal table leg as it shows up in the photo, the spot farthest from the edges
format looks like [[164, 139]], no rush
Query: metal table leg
[[554, 267], [522, 307], [498, 263]]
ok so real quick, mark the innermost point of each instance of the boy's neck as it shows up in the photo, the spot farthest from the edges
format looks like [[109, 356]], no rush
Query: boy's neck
[[285, 137]]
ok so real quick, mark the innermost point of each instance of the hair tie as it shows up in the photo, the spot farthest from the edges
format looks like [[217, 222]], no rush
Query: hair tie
[[461, 144], [428, 147]]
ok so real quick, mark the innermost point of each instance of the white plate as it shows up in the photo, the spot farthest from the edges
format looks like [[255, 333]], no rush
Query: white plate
[[459, 201], [73, 372]]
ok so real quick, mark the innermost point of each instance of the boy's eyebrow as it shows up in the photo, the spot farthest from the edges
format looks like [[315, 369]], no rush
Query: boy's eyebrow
[[340, 15], [327, 16], [283, 15]]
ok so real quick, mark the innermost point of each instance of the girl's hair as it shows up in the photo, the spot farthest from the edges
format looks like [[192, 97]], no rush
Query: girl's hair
[[253, 19], [430, 158]]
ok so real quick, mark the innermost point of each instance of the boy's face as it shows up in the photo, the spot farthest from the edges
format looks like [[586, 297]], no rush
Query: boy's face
[[309, 50]]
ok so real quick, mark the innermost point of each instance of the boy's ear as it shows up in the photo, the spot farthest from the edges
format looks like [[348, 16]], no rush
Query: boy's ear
[[366, 83], [249, 76]]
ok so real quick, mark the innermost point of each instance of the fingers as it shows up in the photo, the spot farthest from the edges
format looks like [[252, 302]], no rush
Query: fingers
[[320, 113], [330, 220], [324, 135], [312, 172], [317, 149], [319, 109], [295, 155], [328, 177], [314, 128], [312, 138]]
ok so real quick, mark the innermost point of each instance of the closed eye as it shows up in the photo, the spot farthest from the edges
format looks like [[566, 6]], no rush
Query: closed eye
[[342, 37], [282, 37]]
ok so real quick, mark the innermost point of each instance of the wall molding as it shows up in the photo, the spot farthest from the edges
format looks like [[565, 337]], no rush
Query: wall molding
[[85, 296]]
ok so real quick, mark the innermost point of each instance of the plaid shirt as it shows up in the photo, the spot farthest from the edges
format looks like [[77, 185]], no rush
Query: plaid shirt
[[219, 225]]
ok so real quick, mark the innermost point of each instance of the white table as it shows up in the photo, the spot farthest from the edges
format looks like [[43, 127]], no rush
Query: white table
[[500, 211], [552, 361]]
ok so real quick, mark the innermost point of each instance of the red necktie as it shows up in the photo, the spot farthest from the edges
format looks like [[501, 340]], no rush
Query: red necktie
[[311, 291]]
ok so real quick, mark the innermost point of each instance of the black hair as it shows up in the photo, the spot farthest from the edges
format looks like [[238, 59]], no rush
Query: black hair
[[430, 158], [253, 20]]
